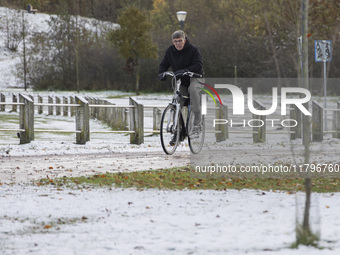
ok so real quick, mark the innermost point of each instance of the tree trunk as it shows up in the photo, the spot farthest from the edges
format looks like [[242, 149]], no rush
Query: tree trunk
[[137, 78], [306, 119], [24, 49], [77, 51], [272, 45]]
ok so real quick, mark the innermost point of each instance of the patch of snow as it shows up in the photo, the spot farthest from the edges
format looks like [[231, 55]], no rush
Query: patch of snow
[[126, 221]]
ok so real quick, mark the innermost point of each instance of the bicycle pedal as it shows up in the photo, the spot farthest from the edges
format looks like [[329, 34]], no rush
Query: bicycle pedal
[[194, 135]]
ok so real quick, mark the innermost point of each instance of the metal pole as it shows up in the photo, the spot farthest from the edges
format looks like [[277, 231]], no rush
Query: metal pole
[[325, 92], [300, 54]]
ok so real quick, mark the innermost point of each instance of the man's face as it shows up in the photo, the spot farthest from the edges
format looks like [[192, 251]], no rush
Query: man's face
[[179, 43]]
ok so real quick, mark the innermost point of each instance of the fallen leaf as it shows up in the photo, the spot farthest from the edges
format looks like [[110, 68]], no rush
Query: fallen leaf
[[47, 226]]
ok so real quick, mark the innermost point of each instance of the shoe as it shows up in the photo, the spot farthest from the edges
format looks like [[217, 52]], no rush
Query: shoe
[[197, 120], [173, 139], [197, 127]]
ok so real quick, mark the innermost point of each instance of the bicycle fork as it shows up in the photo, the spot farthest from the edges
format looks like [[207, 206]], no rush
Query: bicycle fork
[[176, 119]]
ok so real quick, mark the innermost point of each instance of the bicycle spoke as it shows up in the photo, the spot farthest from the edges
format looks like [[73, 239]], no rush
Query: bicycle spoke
[[169, 130], [195, 134]]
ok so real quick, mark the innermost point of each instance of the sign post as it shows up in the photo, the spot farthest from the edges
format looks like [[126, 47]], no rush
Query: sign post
[[323, 53]]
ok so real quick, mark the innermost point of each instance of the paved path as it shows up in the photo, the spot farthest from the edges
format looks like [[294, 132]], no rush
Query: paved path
[[22, 169]]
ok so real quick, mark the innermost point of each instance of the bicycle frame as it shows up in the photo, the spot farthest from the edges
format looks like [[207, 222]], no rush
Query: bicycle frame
[[175, 99]]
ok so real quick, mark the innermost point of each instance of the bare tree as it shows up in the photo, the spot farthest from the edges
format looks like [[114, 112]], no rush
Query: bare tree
[[13, 35], [304, 233]]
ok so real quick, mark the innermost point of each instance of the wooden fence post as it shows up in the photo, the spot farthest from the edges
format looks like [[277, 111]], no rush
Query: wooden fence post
[[89, 99], [123, 118], [293, 130], [136, 122], [65, 108], [96, 109], [222, 131], [157, 115], [57, 108], [82, 121], [126, 118], [106, 110], [259, 135], [3, 100], [334, 124], [295, 114], [50, 108], [73, 109], [40, 107], [317, 122], [92, 109], [299, 120], [338, 120], [26, 116], [101, 115], [14, 100]]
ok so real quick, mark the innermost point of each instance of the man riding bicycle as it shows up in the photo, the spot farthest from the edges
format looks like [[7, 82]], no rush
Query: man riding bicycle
[[183, 56]]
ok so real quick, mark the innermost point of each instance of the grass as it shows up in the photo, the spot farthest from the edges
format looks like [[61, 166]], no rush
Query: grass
[[305, 237], [180, 178], [9, 118], [120, 96]]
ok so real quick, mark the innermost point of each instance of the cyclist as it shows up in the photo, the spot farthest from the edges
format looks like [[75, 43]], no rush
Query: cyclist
[[183, 56]]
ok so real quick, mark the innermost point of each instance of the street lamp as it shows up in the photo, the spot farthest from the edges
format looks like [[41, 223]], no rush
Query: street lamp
[[181, 15]]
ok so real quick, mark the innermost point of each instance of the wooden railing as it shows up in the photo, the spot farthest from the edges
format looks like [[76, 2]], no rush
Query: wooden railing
[[129, 119]]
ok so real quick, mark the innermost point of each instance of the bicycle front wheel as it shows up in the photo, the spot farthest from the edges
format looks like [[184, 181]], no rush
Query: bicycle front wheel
[[169, 131], [196, 134]]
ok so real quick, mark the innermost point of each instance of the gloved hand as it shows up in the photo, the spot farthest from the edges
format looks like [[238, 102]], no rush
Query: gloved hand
[[179, 73], [162, 77]]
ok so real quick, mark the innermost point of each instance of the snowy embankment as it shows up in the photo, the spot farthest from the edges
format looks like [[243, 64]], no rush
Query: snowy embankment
[[9, 59]]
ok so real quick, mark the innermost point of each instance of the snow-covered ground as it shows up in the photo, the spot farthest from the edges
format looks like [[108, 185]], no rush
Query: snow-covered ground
[[46, 220]]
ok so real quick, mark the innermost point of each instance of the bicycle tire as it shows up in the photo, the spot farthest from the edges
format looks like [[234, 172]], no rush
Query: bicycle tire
[[167, 129], [195, 137]]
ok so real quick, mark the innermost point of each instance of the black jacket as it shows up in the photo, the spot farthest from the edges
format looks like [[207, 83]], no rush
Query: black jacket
[[188, 58]]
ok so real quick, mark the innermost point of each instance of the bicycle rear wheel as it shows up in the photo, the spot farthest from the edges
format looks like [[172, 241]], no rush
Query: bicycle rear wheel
[[169, 133], [196, 134]]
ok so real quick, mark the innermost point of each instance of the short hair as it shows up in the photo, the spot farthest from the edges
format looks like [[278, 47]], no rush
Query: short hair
[[178, 34]]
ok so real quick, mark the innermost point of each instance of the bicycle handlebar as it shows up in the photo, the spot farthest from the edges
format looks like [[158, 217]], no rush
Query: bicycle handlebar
[[172, 74]]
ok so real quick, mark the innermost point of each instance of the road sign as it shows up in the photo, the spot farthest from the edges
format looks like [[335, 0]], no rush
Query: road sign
[[323, 53], [323, 50]]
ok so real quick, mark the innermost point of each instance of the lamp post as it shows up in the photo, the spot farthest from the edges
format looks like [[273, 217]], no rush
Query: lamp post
[[181, 15]]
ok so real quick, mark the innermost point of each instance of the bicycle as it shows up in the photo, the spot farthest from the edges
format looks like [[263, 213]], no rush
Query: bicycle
[[173, 128]]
